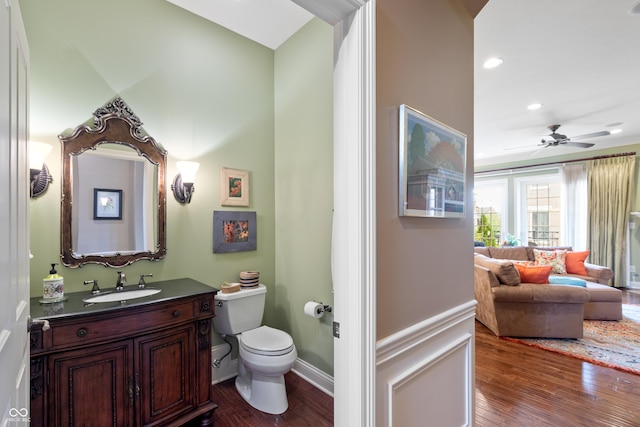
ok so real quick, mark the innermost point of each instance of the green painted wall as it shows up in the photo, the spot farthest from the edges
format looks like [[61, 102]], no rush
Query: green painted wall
[[208, 95], [304, 188]]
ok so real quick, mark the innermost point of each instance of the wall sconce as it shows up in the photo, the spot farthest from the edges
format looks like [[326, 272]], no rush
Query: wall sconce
[[183, 182], [38, 171]]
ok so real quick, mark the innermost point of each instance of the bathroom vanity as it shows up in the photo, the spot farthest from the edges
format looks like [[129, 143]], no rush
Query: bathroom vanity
[[142, 362]]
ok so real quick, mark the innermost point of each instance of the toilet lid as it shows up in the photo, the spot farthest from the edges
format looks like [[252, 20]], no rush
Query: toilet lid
[[266, 340]]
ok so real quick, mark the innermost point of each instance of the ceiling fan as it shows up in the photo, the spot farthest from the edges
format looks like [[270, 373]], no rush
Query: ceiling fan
[[560, 139]]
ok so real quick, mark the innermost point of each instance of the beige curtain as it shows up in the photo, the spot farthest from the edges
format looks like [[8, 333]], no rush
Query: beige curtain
[[609, 183]]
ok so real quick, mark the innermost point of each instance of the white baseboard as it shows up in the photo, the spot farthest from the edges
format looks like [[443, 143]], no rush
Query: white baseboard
[[314, 376], [229, 369]]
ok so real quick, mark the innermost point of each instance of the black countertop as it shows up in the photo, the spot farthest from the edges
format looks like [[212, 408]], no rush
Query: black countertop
[[73, 305]]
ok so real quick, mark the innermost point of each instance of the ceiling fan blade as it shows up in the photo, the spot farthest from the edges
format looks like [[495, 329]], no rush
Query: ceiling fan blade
[[592, 135], [540, 149], [579, 144]]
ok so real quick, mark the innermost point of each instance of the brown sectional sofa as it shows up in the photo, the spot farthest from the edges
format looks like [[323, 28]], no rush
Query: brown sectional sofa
[[539, 310]]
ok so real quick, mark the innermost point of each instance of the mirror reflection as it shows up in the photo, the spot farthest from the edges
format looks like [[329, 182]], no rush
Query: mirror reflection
[[113, 208], [113, 168]]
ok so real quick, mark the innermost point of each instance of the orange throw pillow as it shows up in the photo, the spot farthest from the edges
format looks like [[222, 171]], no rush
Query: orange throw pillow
[[538, 274], [575, 262]]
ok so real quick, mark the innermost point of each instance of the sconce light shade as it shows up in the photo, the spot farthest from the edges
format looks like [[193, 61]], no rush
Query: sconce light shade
[[38, 171], [183, 182]]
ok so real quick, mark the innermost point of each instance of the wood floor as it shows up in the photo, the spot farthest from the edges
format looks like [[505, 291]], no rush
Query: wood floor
[[516, 385]]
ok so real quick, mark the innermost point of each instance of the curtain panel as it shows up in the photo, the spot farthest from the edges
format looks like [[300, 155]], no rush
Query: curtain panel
[[609, 185], [574, 207]]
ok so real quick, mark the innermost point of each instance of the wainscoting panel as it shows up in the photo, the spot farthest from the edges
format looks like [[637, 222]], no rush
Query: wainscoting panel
[[425, 372]]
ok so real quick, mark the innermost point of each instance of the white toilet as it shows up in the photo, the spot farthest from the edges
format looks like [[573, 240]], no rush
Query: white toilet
[[265, 354]]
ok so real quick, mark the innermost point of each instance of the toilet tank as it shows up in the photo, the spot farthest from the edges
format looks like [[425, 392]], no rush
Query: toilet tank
[[239, 311]]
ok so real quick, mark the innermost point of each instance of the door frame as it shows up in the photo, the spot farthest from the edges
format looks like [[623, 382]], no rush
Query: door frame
[[354, 221]]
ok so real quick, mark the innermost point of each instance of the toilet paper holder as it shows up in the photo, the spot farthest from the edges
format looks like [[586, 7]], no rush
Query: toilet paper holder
[[316, 309]]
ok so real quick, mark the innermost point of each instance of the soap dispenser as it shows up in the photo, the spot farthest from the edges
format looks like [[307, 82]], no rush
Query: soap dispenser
[[52, 286]]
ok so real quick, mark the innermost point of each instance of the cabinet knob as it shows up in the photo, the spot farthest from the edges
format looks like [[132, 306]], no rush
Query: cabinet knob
[[82, 332], [176, 313]]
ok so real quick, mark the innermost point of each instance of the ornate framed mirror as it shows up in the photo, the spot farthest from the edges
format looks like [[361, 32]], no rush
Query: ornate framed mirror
[[113, 207]]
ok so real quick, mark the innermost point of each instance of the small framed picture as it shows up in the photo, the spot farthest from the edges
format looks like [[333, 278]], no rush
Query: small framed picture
[[234, 187], [107, 204], [234, 231]]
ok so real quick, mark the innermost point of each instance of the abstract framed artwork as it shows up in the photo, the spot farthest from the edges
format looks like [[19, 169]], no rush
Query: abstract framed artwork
[[107, 204], [432, 159], [234, 187], [234, 231]]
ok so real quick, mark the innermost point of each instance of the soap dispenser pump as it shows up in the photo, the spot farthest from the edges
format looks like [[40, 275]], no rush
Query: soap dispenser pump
[[52, 286]]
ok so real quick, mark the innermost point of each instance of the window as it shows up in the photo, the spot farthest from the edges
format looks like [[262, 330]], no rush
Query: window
[[539, 216], [489, 211]]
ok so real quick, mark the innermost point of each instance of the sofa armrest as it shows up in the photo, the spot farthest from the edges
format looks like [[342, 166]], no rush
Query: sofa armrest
[[601, 274]]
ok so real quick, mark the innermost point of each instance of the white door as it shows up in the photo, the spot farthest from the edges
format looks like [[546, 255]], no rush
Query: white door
[[14, 219]]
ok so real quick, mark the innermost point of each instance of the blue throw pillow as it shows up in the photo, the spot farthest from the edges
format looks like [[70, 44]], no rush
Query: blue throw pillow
[[564, 280]]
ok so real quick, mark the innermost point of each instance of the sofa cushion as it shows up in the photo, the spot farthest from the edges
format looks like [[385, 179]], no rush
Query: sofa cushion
[[503, 269], [575, 262], [514, 252], [538, 274], [556, 259], [567, 280], [481, 250], [529, 292]]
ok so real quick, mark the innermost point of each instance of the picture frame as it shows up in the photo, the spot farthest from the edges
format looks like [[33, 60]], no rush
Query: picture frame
[[234, 187], [432, 167], [107, 204], [234, 231]]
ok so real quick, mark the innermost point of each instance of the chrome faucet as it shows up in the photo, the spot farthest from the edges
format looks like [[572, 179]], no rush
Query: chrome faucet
[[96, 289], [142, 283], [122, 280]]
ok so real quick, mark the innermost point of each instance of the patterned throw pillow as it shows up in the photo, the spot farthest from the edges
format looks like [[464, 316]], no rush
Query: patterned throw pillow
[[556, 259]]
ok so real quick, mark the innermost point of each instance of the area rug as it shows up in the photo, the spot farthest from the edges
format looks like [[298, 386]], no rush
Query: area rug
[[615, 344]]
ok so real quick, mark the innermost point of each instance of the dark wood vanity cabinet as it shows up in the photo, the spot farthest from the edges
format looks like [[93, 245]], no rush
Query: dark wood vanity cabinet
[[147, 365]]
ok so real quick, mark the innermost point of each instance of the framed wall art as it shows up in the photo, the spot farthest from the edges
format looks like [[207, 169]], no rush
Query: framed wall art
[[432, 167], [234, 231], [107, 204], [234, 187]]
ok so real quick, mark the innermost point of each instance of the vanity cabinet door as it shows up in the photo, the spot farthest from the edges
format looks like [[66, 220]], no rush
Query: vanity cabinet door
[[92, 387], [166, 373]]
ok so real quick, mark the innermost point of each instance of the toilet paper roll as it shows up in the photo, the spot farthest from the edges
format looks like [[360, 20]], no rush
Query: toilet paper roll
[[314, 309]]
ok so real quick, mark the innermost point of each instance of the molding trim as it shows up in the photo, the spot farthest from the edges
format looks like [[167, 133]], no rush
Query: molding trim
[[314, 376], [394, 345], [354, 223], [437, 350]]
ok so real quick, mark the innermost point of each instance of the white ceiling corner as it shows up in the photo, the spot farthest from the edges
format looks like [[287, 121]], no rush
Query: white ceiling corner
[[268, 22]]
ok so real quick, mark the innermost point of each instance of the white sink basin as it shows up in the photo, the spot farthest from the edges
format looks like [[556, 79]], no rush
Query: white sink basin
[[122, 296]]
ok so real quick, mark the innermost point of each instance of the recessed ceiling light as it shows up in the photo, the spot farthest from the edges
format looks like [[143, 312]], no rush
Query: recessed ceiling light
[[534, 106], [492, 62], [614, 131]]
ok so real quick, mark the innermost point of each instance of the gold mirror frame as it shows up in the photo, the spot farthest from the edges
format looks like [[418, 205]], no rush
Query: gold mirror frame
[[113, 123]]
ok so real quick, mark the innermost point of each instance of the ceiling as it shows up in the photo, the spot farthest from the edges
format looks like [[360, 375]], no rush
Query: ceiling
[[268, 22], [579, 58]]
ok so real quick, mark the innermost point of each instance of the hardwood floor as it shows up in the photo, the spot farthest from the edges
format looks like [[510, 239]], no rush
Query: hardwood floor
[[516, 385], [308, 406]]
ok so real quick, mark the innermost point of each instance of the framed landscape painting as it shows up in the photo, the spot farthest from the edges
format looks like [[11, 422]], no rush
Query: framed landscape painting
[[432, 167]]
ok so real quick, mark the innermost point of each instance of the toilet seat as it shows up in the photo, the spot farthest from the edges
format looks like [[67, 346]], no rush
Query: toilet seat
[[266, 341]]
